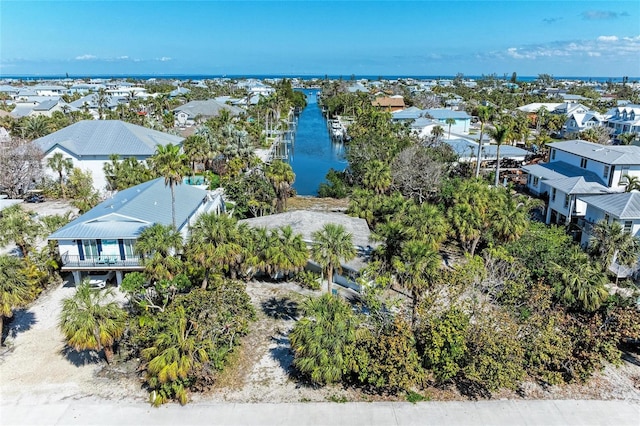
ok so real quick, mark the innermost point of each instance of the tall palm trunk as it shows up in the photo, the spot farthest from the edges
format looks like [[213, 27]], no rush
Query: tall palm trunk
[[329, 278], [173, 205], [479, 150], [497, 181]]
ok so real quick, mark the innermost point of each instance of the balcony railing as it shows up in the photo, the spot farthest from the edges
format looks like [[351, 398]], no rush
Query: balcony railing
[[100, 262]]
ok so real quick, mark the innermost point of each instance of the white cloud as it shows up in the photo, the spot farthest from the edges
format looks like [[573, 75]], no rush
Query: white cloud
[[164, 59], [603, 46], [86, 57], [123, 57]]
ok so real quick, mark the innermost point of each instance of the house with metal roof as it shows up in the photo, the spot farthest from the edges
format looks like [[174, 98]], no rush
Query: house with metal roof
[[441, 115], [468, 151], [624, 119], [90, 143], [103, 239], [623, 208], [579, 168], [186, 115]]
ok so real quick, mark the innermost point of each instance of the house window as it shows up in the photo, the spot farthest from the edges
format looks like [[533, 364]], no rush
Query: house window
[[535, 181], [624, 172], [627, 226], [128, 248], [566, 201], [583, 163], [553, 154], [605, 173], [606, 218], [553, 194], [90, 248]]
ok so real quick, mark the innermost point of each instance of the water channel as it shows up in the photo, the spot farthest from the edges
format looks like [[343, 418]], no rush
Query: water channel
[[314, 153]]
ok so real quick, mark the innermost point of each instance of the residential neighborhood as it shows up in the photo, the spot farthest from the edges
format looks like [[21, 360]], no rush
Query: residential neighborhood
[[195, 203]]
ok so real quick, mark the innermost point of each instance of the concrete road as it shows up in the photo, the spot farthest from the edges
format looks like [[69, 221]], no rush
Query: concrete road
[[547, 413]]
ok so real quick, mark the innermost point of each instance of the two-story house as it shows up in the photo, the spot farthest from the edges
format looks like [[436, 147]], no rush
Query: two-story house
[[623, 208], [90, 143], [578, 168], [103, 239], [624, 119]]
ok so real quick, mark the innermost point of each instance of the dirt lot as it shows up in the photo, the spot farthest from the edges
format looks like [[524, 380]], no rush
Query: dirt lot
[[35, 366]]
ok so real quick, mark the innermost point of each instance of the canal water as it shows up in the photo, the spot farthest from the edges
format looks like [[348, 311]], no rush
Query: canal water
[[314, 153]]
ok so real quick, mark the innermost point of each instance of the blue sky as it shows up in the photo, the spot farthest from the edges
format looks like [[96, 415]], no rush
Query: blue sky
[[100, 37]]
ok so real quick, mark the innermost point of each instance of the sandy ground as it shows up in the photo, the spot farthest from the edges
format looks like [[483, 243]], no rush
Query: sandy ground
[[34, 366]]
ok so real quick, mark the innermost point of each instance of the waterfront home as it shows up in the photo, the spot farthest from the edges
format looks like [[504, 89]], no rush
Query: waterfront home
[[103, 239], [90, 143], [187, 114], [467, 151], [623, 208]]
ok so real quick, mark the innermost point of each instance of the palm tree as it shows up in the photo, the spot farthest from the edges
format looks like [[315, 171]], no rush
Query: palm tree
[[632, 183], [90, 321], [281, 176], [415, 268], [14, 287], [437, 132], [61, 165], [377, 176], [484, 115], [36, 127], [331, 245], [102, 99], [174, 357], [500, 134], [609, 243], [627, 138], [217, 244], [158, 246], [197, 150], [286, 253], [450, 122], [170, 163], [510, 216], [19, 227], [582, 285], [321, 340]]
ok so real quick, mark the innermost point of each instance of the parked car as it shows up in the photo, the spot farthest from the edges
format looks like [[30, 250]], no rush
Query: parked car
[[35, 198], [100, 280]]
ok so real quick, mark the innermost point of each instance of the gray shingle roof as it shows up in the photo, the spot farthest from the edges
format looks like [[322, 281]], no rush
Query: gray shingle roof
[[607, 154], [128, 212], [625, 205], [106, 137]]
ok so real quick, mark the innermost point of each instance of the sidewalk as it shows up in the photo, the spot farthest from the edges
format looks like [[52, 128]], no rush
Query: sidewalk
[[547, 413]]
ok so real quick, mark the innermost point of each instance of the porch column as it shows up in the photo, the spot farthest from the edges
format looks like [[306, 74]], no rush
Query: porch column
[[77, 277], [119, 277]]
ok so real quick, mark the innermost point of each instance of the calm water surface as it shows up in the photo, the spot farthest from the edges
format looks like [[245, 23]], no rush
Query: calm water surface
[[313, 153]]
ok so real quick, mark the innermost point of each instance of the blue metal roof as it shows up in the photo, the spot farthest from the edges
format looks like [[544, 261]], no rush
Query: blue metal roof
[[465, 149], [106, 137], [128, 212]]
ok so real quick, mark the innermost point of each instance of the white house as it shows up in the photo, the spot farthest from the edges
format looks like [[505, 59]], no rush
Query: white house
[[611, 163], [624, 119], [103, 239], [579, 168], [623, 208], [90, 143]]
